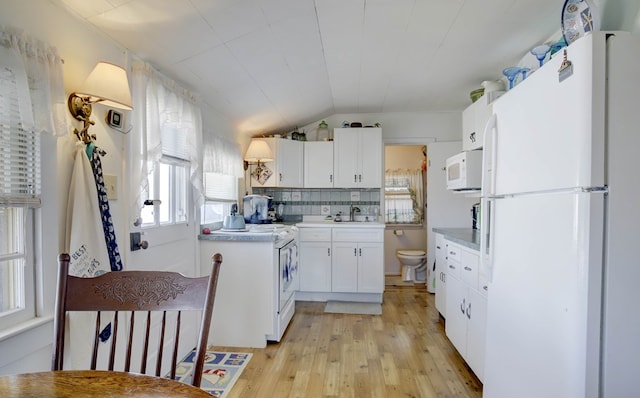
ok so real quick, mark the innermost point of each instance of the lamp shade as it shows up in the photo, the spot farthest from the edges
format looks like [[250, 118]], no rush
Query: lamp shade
[[108, 85], [258, 151]]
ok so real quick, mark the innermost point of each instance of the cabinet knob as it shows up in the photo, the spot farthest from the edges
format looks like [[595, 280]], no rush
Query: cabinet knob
[[462, 306], [355, 251], [452, 266], [467, 268], [469, 311], [328, 251], [330, 177], [355, 178]]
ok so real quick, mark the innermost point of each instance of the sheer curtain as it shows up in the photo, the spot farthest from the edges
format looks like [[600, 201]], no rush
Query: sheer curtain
[[221, 156], [404, 196], [163, 114], [37, 69]]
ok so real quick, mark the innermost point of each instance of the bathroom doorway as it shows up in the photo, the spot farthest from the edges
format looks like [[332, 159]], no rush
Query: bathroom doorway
[[405, 227]]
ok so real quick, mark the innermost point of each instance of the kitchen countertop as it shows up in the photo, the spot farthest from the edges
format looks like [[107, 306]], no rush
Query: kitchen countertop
[[467, 237], [320, 222]]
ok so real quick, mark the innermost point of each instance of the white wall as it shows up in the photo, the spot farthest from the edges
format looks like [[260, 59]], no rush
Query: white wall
[[81, 47]]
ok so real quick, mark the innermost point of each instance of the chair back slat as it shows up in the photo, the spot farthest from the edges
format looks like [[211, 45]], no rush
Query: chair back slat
[[127, 359], [96, 341], [125, 293], [145, 349]]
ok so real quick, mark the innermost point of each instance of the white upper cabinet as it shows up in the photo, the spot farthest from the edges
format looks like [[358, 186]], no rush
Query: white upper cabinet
[[318, 164], [357, 161], [474, 119], [287, 167]]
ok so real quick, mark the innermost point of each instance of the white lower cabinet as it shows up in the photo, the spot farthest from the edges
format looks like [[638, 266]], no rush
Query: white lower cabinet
[[466, 306], [315, 259], [315, 275], [340, 260], [441, 275], [357, 267]]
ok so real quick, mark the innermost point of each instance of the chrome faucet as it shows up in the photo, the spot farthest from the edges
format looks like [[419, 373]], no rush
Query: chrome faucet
[[352, 210]]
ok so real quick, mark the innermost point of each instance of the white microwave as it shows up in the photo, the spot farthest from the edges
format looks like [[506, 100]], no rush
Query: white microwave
[[464, 171]]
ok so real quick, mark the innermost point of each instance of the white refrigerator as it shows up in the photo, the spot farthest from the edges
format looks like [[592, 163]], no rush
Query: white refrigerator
[[561, 227]]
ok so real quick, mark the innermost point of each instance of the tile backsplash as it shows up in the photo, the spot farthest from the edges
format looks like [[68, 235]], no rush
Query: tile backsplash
[[300, 202]]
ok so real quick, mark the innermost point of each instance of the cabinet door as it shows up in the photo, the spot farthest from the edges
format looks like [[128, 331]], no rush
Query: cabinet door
[[273, 179], [345, 159], [315, 266], [290, 163], [441, 273], [476, 332], [456, 325], [318, 164], [344, 267], [370, 268], [370, 173]]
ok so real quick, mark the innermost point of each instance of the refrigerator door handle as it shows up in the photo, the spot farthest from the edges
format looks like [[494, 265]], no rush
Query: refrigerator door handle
[[487, 197]]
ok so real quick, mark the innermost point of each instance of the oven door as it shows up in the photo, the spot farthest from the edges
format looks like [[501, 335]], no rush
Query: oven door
[[288, 273]]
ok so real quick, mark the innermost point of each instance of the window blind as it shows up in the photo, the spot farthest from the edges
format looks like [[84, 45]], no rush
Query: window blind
[[220, 187], [19, 149]]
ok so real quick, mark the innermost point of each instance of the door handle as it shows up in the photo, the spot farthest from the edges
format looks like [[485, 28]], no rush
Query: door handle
[[462, 306], [469, 311]]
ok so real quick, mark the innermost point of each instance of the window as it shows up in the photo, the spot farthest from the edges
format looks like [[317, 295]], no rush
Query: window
[[19, 194], [221, 192], [16, 266], [169, 183], [402, 196]]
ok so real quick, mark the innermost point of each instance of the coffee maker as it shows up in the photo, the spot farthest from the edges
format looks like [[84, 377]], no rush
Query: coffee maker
[[475, 216], [256, 209]]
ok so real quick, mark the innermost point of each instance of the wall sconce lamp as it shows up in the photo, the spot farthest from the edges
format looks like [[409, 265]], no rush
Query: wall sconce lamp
[[258, 152], [106, 84]]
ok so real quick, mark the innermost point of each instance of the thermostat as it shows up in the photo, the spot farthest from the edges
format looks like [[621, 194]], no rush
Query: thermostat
[[114, 119]]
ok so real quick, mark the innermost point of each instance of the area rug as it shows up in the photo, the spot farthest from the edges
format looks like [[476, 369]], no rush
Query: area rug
[[352, 307], [221, 370]]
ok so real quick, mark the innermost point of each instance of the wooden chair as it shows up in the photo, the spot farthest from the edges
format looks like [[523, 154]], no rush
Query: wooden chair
[[131, 292]]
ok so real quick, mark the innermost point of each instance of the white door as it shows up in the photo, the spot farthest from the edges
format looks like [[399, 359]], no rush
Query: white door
[[345, 159], [540, 144], [456, 325], [370, 268], [476, 332], [543, 310], [315, 266], [370, 149], [344, 267], [444, 208], [290, 163], [318, 164]]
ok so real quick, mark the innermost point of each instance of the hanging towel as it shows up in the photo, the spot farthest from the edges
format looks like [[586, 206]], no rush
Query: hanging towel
[[115, 260], [85, 235], [85, 242]]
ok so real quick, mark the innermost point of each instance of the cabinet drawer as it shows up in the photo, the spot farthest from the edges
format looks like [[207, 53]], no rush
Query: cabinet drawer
[[315, 234], [470, 262], [453, 251], [453, 268], [358, 235]]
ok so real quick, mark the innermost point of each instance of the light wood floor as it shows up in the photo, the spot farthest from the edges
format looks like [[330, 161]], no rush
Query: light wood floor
[[402, 353]]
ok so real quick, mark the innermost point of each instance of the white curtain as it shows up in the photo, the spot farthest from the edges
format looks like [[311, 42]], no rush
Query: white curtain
[[43, 105], [404, 196], [222, 156], [165, 118]]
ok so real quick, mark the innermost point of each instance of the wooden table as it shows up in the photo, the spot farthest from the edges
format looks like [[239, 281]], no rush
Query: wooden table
[[93, 383]]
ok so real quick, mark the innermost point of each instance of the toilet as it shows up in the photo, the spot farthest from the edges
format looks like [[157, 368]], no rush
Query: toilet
[[411, 260]]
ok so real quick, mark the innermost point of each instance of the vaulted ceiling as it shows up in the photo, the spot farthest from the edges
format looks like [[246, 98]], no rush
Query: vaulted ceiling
[[270, 65]]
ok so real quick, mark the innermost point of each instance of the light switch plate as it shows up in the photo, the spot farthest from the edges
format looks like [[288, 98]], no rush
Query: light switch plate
[[355, 196], [111, 185]]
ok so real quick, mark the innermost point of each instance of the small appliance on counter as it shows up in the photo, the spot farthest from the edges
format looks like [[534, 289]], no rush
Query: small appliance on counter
[[475, 216], [256, 209], [233, 222]]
